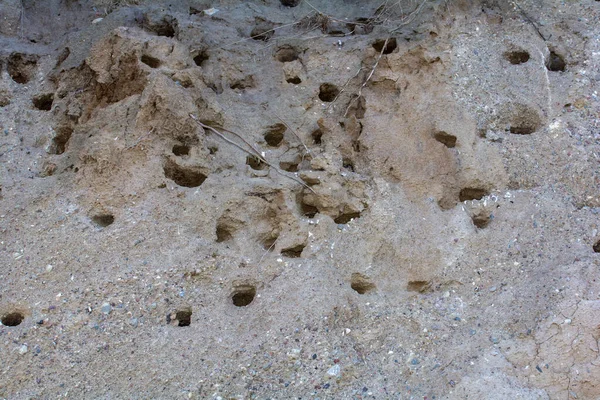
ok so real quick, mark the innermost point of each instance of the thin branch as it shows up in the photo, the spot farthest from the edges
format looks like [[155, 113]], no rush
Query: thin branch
[[293, 131]]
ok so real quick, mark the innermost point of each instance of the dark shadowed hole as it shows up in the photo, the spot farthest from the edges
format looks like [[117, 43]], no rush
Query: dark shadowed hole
[[200, 58], [43, 101], [418, 286], [517, 57], [361, 283], [290, 3], [184, 317], [103, 220], [391, 45], [467, 194], [166, 27], [12, 318], [308, 210], [596, 247], [183, 176], [348, 164], [445, 138], [288, 166], [481, 220], [286, 54], [256, 163], [274, 134], [317, 136], [294, 80], [328, 92], [268, 241], [345, 218], [181, 150], [523, 129], [60, 141], [223, 233], [556, 62], [21, 67], [243, 295], [245, 83], [262, 32], [293, 252], [150, 61]]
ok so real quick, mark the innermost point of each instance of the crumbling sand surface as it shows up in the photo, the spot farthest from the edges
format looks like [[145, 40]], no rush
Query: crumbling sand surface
[[311, 200]]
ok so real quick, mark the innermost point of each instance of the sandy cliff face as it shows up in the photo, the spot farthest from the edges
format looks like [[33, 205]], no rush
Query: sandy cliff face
[[292, 199]]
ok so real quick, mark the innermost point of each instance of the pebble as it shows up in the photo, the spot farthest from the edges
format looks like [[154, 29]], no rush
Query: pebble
[[23, 349], [106, 308], [334, 371]]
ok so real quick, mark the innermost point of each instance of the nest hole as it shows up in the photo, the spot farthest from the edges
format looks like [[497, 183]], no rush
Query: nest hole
[[446, 139], [347, 217], [184, 317], [348, 163], [60, 141], [268, 241], [328, 92], [418, 286], [293, 252], [290, 3], [556, 62], [596, 247], [183, 176], [103, 220], [317, 136], [22, 67], [289, 166], [286, 54], [481, 221], [308, 210], [150, 61], [391, 45], [517, 57], [274, 134], [262, 32], [224, 233], [43, 102], [244, 295], [13, 318], [181, 150], [200, 58], [467, 194], [295, 80], [361, 284], [256, 163]]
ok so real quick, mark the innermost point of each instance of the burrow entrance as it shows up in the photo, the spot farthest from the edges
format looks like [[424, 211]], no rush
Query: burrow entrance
[[243, 295], [361, 284], [13, 318]]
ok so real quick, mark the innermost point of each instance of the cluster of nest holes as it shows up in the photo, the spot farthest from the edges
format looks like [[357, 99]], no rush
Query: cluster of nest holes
[[286, 53], [13, 318], [103, 220], [361, 284], [181, 150], [200, 57], [468, 194], [596, 247], [445, 138], [418, 286], [555, 62], [517, 57], [293, 252], [243, 295], [381, 46], [256, 163], [274, 135], [181, 317], [21, 67], [43, 101], [525, 120], [61, 138], [150, 61], [328, 92], [183, 176]]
